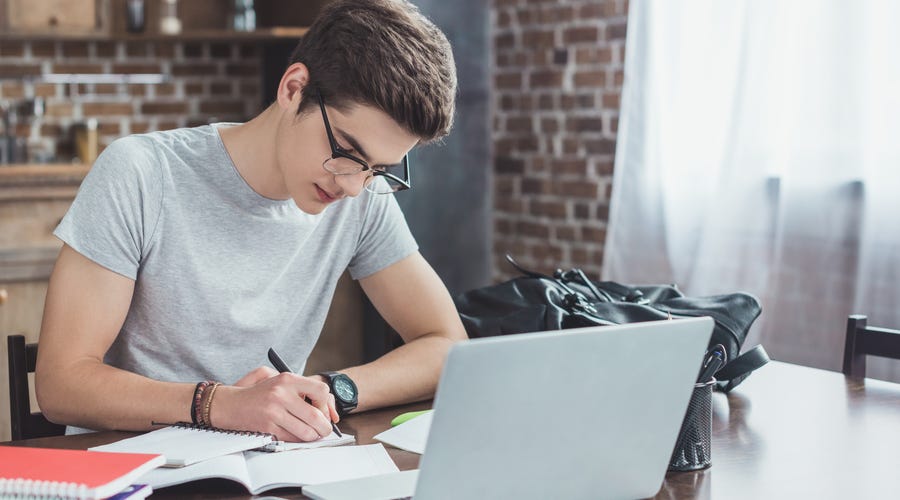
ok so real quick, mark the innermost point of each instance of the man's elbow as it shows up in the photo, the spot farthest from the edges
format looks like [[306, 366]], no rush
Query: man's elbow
[[457, 332], [448, 336], [48, 398]]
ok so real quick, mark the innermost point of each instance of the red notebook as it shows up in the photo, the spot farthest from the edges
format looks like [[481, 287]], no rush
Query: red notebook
[[70, 473]]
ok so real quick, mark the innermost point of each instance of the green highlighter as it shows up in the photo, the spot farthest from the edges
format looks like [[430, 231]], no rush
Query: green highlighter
[[403, 417]]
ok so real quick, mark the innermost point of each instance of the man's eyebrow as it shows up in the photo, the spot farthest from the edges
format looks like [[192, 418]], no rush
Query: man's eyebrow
[[362, 152], [354, 144]]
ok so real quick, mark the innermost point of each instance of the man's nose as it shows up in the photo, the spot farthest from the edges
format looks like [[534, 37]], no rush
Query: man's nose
[[352, 185]]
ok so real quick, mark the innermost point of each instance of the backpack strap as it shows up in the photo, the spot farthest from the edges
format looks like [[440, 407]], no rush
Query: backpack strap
[[573, 301], [740, 367]]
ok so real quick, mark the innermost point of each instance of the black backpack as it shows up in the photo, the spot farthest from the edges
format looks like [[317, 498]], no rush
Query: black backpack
[[568, 299]]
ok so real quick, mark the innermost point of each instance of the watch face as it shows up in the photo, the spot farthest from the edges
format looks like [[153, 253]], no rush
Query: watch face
[[344, 389]]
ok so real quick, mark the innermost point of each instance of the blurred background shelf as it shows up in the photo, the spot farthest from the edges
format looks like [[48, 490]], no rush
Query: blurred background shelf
[[103, 20], [202, 35], [40, 182]]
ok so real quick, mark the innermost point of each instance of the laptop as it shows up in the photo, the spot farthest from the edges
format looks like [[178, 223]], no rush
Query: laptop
[[581, 413]]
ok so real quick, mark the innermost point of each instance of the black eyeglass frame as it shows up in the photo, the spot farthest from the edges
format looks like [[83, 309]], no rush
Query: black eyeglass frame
[[339, 152]]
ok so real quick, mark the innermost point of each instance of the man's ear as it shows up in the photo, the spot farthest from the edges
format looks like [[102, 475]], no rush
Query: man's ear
[[295, 77]]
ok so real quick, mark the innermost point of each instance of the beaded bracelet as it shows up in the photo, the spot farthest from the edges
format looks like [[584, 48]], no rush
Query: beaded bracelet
[[204, 417], [195, 401]]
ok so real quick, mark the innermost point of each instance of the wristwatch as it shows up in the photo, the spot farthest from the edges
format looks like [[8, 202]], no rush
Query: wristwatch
[[346, 395]]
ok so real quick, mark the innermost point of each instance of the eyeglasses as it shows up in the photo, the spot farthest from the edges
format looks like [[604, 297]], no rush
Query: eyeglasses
[[390, 178]]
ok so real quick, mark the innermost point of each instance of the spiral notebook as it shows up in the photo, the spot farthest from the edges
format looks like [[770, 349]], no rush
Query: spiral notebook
[[185, 444], [52, 473]]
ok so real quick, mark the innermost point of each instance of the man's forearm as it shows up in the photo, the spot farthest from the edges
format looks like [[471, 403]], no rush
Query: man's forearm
[[406, 374], [93, 395]]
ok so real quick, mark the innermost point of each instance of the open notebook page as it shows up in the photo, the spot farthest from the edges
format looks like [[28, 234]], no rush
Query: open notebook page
[[260, 472], [188, 445], [329, 440]]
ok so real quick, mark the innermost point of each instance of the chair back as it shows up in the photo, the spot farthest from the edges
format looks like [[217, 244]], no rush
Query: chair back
[[23, 423], [863, 340]]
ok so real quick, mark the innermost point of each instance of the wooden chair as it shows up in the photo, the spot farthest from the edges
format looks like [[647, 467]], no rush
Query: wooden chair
[[863, 340], [24, 423]]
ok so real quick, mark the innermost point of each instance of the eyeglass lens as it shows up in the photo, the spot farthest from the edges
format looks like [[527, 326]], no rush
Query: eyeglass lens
[[374, 183]]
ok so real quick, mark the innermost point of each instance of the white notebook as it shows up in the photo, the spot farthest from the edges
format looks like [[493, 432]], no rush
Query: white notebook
[[382, 487], [410, 435], [185, 444], [259, 471]]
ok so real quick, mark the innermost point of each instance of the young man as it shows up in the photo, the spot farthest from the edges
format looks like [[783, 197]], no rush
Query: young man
[[189, 253]]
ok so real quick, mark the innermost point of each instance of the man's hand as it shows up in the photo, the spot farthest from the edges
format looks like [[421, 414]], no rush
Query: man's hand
[[292, 407]]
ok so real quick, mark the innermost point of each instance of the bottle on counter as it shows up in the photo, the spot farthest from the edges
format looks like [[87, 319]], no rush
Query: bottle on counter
[[13, 148], [87, 141], [135, 15], [40, 149], [4, 134], [244, 16], [169, 24]]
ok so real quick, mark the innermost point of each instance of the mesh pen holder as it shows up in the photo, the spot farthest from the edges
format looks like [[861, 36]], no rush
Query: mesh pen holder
[[693, 448]]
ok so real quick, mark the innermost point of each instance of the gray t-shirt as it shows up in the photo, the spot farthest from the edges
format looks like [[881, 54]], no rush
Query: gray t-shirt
[[221, 273]]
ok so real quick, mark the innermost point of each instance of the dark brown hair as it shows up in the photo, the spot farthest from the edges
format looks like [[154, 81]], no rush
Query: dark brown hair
[[382, 53]]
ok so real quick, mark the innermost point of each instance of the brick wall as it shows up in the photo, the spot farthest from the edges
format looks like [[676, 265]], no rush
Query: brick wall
[[202, 82], [558, 72]]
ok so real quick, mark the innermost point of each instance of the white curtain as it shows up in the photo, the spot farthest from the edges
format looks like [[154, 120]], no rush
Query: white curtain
[[759, 150]]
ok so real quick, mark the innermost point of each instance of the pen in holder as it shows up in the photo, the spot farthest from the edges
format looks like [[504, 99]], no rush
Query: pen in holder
[[694, 445]]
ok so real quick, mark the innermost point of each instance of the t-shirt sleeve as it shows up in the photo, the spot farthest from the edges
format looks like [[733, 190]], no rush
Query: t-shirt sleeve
[[384, 238], [117, 208]]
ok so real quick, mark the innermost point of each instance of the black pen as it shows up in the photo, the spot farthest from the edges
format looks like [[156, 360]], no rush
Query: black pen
[[282, 367]]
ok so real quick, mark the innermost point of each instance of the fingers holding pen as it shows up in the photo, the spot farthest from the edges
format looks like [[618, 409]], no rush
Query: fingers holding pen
[[307, 403], [319, 398], [322, 399], [332, 409], [278, 405]]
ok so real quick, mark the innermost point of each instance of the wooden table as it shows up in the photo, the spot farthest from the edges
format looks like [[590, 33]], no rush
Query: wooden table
[[795, 432], [787, 432]]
